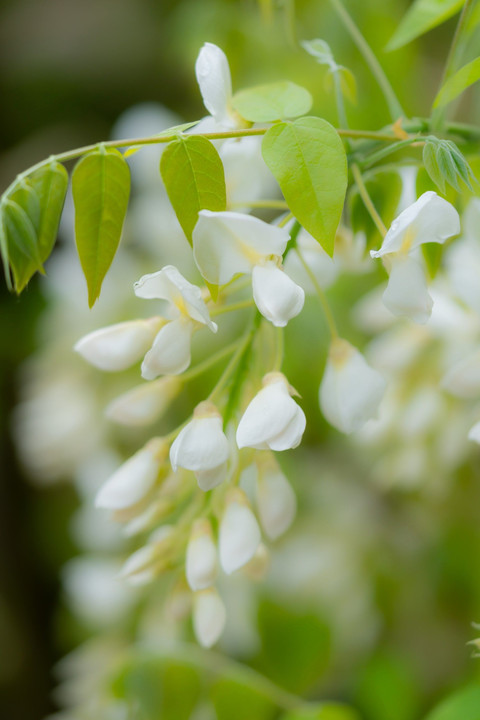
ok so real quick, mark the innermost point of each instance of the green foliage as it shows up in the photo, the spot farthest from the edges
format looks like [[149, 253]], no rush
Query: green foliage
[[422, 16], [29, 222], [445, 163], [267, 103], [169, 131], [237, 700], [322, 53], [308, 160], [460, 81], [194, 178], [295, 646], [384, 188], [388, 688], [101, 188], [323, 711], [462, 705]]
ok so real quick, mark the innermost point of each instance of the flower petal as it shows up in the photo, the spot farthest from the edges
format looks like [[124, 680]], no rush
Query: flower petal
[[227, 243], [275, 294], [170, 353], [201, 445], [131, 482], [463, 379], [407, 291], [239, 534], [145, 403], [209, 479], [276, 502], [201, 557], [291, 435], [213, 77], [209, 616], [119, 346]]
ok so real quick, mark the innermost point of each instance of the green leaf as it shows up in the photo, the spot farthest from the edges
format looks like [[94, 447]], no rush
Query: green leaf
[[422, 16], [463, 78], [175, 130], [236, 700], [445, 163], [194, 178], [323, 711], [100, 187], [308, 160], [267, 103], [462, 705], [431, 165], [21, 235], [4, 253], [50, 185]]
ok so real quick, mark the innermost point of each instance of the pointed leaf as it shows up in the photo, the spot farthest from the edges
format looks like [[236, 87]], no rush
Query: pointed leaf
[[21, 236], [194, 178], [50, 184], [308, 160], [100, 187], [463, 78], [4, 253], [421, 17], [431, 165], [267, 103]]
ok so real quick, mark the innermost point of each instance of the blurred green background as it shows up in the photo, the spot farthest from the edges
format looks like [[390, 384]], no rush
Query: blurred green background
[[67, 70]]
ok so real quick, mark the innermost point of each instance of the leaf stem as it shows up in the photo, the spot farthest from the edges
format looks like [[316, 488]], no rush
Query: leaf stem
[[279, 349], [370, 58], [201, 367], [225, 376], [367, 200], [375, 157], [321, 296], [231, 308], [284, 221]]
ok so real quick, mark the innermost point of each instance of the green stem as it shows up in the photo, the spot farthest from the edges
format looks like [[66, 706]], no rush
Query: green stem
[[225, 376], [392, 101], [201, 367], [231, 308], [438, 113], [321, 296], [367, 200], [289, 19], [286, 220], [279, 350], [375, 157]]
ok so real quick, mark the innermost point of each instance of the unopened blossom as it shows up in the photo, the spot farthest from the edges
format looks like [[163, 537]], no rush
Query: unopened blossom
[[215, 83], [239, 534], [429, 219], [272, 420], [276, 501], [228, 243], [350, 391], [118, 347], [145, 403], [146, 563], [203, 447], [133, 480], [201, 558], [209, 616], [258, 565], [185, 310]]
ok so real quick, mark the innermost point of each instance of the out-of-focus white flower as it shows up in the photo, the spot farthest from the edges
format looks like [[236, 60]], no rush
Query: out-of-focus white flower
[[247, 178], [258, 565], [474, 433], [429, 219], [133, 480], [463, 379], [185, 308], [239, 534], [215, 82], [273, 420], [276, 501], [118, 347], [227, 243], [350, 391], [201, 557], [209, 616], [147, 562], [145, 403], [462, 259], [203, 447], [322, 266]]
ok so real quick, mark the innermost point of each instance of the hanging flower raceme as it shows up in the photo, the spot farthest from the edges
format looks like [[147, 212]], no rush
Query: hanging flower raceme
[[429, 219], [203, 447], [215, 83], [227, 243], [350, 391], [272, 420]]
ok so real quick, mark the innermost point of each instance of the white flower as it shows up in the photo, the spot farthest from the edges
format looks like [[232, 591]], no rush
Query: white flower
[[145, 403], [463, 379], [209, 616], [146, 563], [324, 268], [201, 557], [257, 567], [474, 433], [215, 82], [273, 420], [227, 243], [185, 308], [429, 219], [119, 346], [239, 534], [202, 446], [133, 480], [276, 501], [350, 391]]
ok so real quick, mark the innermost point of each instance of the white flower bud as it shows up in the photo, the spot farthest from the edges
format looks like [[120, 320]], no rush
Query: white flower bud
[[209, 616], [202, 447], [350, 391], [117, 347], [201, 556], [272, 419], [145, 403], [276, 501], [257, 567], [170, 353], [134, 479], [275, 294], [239, 534], [463, 379], [146, 563]]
